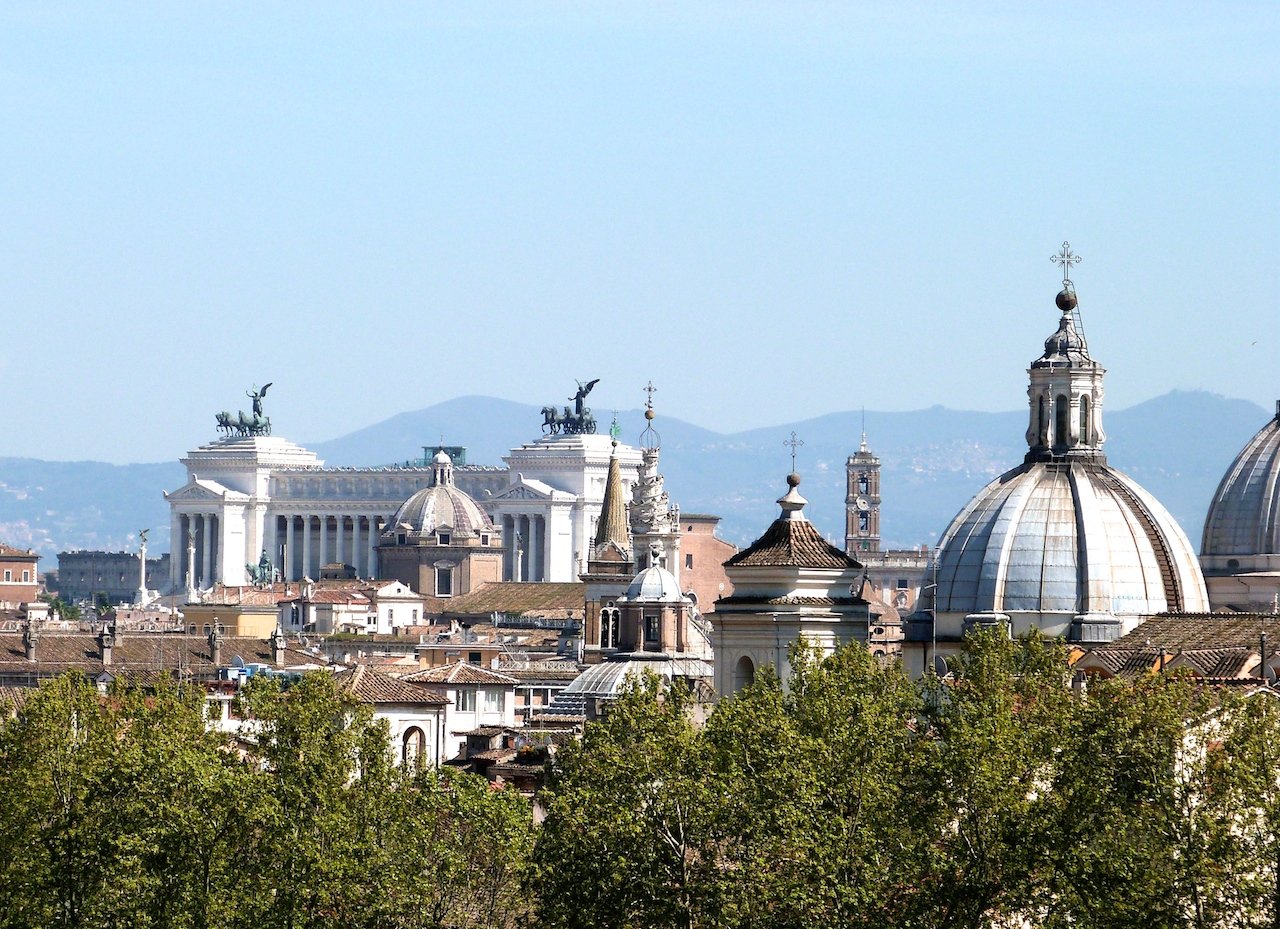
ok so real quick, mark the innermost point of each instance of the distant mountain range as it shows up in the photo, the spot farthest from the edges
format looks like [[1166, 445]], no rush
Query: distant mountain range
[[1177, 446]]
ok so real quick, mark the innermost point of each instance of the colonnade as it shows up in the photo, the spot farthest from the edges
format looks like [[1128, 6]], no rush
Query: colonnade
[[303, 543], [524, 538], [201, 531]]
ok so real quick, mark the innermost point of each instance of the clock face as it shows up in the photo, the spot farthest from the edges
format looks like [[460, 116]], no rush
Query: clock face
[[862, 503]]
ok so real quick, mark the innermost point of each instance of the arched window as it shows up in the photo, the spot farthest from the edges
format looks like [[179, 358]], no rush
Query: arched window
[[1040, 427], [744, 673], [864, 483], [1061, 421], [413, 747], [1084, 422]]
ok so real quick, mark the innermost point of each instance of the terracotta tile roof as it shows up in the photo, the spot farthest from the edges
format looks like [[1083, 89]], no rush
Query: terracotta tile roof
[[135, 652], [518, 598], [792, 543], [459, 673], [10, 551], [370, 686], [331, 596], [1183, 631]]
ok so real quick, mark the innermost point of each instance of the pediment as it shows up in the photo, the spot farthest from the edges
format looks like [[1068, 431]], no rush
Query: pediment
[[201, 490], [522, 491]]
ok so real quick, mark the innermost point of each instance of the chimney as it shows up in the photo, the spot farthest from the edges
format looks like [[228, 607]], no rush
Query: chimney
[[277, 647], [29, 637], [106, 640]]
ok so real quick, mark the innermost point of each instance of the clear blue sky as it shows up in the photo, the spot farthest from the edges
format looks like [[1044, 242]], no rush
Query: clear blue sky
[[773, 210]]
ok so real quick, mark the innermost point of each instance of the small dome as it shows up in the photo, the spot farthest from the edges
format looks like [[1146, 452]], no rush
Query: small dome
[[442, 506], [654, 585], [1066, 539], [1244, 517], [442, 458]]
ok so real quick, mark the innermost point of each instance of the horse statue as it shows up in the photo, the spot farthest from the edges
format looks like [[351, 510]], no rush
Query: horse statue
[[550, 422]]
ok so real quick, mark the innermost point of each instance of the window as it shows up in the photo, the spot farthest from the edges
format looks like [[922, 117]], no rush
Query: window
[[903, 583], [295, 615], [1040, 427], [8, 575], [26, 577], [484, 538], [474, 657], [609, 628], [400, 538], [864, 522], [415, 617], [444, 538], [415, 746], [688, 561], [651, 628], [1084, 421], [444, 582], [864, 483], [744, 673], [465, 701], [494, 700], [1062, 416]]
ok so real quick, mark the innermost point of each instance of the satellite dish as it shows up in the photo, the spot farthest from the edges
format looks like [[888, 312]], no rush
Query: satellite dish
[[237, 662], [940, 666]]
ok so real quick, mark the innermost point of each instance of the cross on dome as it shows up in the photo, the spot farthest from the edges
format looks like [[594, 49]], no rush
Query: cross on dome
[[794, 443], [1066, 258]]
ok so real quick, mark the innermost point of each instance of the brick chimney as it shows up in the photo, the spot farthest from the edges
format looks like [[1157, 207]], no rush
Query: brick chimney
[[277, 647], [215, 644], [29, 637]]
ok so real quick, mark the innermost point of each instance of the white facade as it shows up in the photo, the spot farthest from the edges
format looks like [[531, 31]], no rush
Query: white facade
[[246, 496]]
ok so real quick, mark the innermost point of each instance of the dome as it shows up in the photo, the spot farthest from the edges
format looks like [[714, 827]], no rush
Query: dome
[[1063, 540], [1244, 517], [654, 585], [440, 506]]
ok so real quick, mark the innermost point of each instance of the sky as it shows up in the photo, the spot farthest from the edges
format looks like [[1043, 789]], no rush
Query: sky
[[771, 210]]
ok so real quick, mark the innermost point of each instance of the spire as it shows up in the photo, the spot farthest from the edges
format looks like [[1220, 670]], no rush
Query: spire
[[612, 526]]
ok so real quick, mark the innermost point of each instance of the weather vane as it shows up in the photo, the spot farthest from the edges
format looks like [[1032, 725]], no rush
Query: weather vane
[[794, 443], [1066, 258]]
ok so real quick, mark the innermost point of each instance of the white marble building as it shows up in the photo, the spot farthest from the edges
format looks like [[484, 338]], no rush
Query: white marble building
[[249, 495]]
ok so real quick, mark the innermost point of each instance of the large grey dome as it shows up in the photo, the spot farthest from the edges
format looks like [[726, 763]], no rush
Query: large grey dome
[[1244, 517], [1062, 541]]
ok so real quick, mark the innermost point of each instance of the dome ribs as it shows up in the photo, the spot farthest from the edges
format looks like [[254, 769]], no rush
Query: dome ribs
[[1168, 573]]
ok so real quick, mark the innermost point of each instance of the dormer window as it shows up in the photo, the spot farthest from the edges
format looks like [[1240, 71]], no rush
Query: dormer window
[[484, 538], [444, 538]]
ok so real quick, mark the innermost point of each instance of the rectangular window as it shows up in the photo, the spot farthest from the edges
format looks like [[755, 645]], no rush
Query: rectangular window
[[26, 577], [651, 628], [415, 617], [445, 537], [484, 538], [494, 700], [8, 575], [444, 582], [903, 583], [688, 561], [474, 657], [466, 701]]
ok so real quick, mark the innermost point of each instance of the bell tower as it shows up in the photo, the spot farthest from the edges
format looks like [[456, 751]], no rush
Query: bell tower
[[862, 502]]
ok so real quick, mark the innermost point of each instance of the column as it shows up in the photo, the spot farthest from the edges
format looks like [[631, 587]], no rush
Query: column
[[306, 547], [339, 554], [526, 559], [206, 557], [543, 561], [290, 556], [508, 548], [177, 544], [270, 528], [373, 542], [355, 544], [324, 543]]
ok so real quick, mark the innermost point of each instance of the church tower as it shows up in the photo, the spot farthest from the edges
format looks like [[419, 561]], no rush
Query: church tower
[[862, 501], [655, 521], [610, 566]]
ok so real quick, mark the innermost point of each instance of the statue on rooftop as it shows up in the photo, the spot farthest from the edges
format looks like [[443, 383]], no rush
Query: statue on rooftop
[[247, 424], [575, 421]]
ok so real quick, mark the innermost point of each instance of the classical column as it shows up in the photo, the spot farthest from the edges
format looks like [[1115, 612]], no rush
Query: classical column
[[355, 543], [526, 533], [290, 556], [340, 550], [542, 547], [142, 572], [373, 543], [306, 547], [270, 529], [324, 542], [508, 548], [206, 558], [191, 561]]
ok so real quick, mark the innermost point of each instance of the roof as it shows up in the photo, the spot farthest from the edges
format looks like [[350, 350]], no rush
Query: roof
[[370, 686], [136, 652], [520, 597], [459, 673], [1244, 518], [613, 526], [8, 551], [1182, 631], [331, 595], [792, 543]]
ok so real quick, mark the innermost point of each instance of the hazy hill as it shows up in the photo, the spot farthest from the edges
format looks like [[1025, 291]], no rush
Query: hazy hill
[[1177, 446]]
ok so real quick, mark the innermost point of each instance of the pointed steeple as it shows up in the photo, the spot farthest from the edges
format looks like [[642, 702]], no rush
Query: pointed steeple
[[612, 526]]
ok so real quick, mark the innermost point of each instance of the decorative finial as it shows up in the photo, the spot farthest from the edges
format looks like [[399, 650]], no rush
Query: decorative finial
[[615, 430], [649, 439], [794, 443], [1066, 258]]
